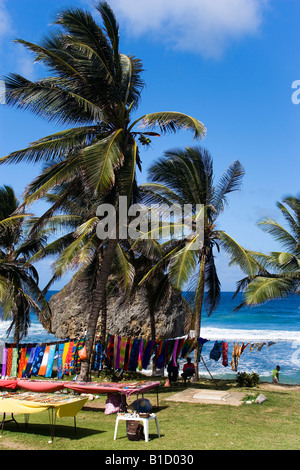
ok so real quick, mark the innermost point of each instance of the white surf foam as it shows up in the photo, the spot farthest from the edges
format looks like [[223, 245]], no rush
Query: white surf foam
[[249, 335]]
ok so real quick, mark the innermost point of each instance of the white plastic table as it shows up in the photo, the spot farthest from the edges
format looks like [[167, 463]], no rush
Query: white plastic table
[[133, 417]]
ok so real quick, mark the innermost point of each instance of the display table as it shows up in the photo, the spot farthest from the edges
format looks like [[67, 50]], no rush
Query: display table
[[29, 403], [136, 417], [33, 385], [124, 388], [10, 384]]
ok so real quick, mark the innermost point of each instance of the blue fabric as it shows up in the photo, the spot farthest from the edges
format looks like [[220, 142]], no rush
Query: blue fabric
[[216, 351], [37, 360], [50, 361], [60, 360]]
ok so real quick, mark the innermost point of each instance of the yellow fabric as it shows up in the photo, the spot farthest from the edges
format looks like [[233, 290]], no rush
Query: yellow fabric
[[15, 406], [65, 352]]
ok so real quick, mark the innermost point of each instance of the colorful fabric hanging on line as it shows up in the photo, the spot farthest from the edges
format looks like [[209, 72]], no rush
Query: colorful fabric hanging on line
[[50, 361], [224, 354], [122, 352], [127, 354], [147, 354], [68, 359], [37, 360], [60, 360], [216, 351], [43, 366], [28, 368], [142, 347], [110, 349], [4, 362], [98, 357], [134, 353], [22, 362], [236, 354], [187, 347], [13, 372], [161, 355]]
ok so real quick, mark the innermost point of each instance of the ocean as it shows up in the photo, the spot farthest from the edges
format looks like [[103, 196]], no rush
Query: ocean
[[277, 321]]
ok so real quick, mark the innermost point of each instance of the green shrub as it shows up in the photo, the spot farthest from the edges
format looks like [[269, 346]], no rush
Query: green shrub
[[247, 380]]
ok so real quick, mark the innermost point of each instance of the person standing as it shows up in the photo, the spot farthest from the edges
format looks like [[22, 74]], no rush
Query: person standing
[[275, 378]]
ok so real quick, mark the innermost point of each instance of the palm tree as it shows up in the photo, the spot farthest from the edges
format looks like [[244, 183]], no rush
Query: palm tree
[[18, 278], [186, 177], [278, 273], [71, 214], [97, 89]]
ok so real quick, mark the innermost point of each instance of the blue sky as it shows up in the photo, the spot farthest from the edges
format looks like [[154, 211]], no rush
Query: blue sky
[[228, 63]]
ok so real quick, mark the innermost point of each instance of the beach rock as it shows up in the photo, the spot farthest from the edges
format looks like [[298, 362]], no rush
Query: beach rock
[[129, 317], [260, 399]]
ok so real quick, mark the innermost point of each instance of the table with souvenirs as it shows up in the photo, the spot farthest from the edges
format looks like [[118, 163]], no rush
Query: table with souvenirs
[[28, 403], [29, 396]]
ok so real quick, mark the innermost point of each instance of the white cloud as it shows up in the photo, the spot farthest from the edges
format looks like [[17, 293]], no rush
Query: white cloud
[[24, 62], [204, 26], [5, 20]]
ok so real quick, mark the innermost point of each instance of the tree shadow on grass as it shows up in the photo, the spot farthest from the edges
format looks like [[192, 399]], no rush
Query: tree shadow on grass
[[60, 431]]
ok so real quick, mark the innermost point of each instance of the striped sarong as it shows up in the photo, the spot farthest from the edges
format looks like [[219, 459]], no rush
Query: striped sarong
[[122, 352], [14, 364], [133, 358], [4, 362], [27, 372], [61, 348], [50, 361]]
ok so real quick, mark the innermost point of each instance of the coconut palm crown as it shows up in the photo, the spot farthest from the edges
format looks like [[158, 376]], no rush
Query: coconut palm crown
[[277, 274], [20, 294], [95, 89], [185, 177]]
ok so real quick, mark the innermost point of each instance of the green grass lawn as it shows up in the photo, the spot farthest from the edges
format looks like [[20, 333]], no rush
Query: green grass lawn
[[183, 426]]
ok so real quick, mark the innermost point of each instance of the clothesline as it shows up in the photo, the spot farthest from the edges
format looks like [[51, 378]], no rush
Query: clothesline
[[118, 352]]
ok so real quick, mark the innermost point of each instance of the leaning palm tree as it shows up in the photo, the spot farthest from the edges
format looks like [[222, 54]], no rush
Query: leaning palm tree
[[20, 294], [96, 88], [185, 177], [71, 217], [278, 273]]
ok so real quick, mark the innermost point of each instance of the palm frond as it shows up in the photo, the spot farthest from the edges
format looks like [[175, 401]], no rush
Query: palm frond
[[172, 122], [123, 269], [238, 254], [213, 286], [280, 234], [262, 289], [230, 181], [183, 264], [50, 101], [51, 178], [102, 159], [55, 60]]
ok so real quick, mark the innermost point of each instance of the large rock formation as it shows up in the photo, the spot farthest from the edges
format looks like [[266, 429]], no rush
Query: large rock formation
[[129, 317]]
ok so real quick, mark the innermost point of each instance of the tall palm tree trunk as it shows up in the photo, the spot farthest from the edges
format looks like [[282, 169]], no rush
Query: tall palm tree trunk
[[103, 319], [99, 297], [17, 327], [198, 312]]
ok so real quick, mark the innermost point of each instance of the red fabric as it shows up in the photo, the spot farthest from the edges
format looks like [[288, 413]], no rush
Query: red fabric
[[22, 362], [225, 354], [9, 360], [40, 385], [188, 367], [12, 384]]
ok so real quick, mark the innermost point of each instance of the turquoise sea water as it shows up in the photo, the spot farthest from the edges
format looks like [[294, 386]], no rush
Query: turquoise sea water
[[277, 321]]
